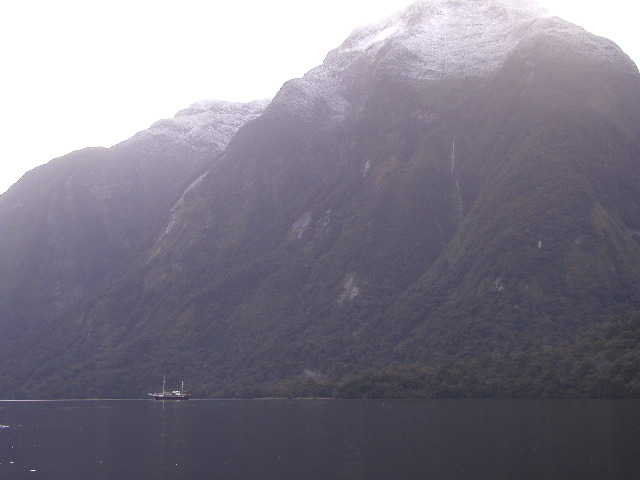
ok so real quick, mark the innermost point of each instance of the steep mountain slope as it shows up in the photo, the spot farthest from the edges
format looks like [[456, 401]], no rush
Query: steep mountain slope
[[549, 171], [456, 186], [67, 224]]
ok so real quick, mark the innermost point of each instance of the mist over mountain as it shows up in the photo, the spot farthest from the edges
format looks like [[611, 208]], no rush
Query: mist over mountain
[[448, 205]]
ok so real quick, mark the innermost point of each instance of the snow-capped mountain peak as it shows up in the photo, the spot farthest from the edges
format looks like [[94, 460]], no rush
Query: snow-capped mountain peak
[[430, 39], [451, 37], [196, 121]]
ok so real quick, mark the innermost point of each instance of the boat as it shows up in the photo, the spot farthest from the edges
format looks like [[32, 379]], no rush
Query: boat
[[172, 394]]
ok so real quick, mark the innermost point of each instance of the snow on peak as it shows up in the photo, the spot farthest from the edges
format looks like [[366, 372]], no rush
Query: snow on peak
[[205, 124], [212, 107], [429, 40], [448, 37]]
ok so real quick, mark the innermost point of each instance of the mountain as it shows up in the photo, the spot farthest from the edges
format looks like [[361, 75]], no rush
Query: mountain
[[67, 224], [448, 205]]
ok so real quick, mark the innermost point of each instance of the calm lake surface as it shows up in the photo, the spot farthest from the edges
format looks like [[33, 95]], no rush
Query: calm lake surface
[[320, 439]]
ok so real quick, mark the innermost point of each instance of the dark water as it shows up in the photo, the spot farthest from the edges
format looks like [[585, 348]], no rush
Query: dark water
[[321, 439]]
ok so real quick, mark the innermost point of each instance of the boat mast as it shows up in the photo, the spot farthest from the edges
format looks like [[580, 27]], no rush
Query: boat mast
[[163, 380]]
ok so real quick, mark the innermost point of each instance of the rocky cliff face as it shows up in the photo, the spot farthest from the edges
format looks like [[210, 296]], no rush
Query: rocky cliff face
[[456, 183]]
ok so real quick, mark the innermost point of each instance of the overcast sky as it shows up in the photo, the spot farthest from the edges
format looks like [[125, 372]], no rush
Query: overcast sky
[[78, 73]]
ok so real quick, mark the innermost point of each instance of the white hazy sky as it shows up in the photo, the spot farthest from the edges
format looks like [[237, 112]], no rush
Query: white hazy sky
[[80, 73]]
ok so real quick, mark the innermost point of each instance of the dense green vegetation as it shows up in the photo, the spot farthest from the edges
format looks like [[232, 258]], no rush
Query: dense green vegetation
[[603, 362]]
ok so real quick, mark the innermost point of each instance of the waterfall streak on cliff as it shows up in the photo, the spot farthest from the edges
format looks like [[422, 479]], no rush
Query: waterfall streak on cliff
[[457, 195]]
